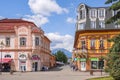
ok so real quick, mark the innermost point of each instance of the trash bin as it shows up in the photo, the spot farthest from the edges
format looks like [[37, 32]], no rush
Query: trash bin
[[91, 72]]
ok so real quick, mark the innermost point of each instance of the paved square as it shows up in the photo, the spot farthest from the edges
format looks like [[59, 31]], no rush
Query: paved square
[[58, 73]]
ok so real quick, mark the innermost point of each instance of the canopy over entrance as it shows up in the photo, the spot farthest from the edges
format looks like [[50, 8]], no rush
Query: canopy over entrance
[[5, 60]]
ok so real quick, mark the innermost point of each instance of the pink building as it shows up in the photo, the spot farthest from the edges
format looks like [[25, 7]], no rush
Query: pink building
[[25, 45]]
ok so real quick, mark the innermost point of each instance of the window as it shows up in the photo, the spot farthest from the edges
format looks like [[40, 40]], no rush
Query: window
[[100, 64], [7, 56], [97, 64], [93, 64], [7, 41], [36, 41], [92, 43], [22, 41], [83, 44], [81, 26], [93, 13], [82, 14], [93, 24], [101, 44], [117, 26], [101, 24], [101, 13]]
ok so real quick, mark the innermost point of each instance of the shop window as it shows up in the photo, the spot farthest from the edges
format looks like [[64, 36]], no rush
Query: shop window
[[100, 64], [93, 64], [33, 66], [7, 56], [97, 64]]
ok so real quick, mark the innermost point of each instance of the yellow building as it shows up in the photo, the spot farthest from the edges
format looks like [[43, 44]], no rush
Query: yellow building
[[91, 38]]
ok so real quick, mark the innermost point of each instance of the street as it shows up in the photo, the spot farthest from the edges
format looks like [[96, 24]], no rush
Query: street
[[58, 73]]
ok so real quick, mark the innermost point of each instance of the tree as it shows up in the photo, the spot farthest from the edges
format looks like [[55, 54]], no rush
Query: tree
[[113, 58], [60, 56], [115, 7]]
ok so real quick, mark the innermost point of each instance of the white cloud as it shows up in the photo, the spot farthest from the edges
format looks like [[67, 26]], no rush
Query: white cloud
[[37, 19], [61, 41], [71, 20], [42, 9], [1, 17], [46, 7]]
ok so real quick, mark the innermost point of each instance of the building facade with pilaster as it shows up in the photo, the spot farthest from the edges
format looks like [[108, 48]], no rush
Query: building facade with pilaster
[[25, 45], [90, 43]]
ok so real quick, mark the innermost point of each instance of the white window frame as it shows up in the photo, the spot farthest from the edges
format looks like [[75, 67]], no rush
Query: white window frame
[[93, 13], [101, 13], [101, 24], [93, 24]]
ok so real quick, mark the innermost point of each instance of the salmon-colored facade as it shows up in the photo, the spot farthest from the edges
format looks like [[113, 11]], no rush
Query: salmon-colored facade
[[25, 45]]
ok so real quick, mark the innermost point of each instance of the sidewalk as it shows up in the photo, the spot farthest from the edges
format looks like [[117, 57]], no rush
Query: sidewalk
[[58, 73]]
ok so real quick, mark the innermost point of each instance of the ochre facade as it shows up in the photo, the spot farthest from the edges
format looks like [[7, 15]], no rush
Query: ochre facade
[[90, 55]]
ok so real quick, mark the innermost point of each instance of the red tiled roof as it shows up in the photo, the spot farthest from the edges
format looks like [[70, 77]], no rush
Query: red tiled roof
[[35, 30], [8, 25], [14, 21]]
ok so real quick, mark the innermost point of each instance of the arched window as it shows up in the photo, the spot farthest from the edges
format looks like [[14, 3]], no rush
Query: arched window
[[7, 56]]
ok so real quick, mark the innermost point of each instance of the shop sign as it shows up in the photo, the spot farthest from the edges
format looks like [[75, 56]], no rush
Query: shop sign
[[94, 59], [22, 57], [82, 59], [35, 57], [75, 59], [78, 59]]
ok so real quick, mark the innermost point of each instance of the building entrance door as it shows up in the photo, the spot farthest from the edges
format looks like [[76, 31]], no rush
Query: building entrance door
[[36, 66], [83, 66]]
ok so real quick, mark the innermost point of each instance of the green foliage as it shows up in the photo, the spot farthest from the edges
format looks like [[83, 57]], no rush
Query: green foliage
[[115, 7], [113, 59], [60, 56], [102, 78]]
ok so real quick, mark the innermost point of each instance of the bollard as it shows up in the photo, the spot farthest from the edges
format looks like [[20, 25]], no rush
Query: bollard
[[11, 72], [91, 72]]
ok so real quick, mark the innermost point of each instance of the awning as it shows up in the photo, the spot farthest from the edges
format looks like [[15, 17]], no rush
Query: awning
[[5, 60]]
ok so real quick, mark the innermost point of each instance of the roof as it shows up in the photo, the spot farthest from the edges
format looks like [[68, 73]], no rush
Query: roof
[[6, 20], [47, 38], [7, 25]]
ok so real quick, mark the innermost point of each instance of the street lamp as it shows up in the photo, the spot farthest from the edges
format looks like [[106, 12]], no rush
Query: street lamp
[[1, 46]]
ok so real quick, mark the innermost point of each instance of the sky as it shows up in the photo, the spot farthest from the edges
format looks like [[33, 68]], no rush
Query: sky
[[57, 18]]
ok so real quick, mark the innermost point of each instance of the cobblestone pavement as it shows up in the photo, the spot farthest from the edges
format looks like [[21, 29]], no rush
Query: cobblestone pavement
[[59, 73]]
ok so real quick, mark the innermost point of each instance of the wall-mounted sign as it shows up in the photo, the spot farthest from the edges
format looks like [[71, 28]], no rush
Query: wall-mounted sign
[[82, 59], [35, 57], [94, 59], [22, 57]]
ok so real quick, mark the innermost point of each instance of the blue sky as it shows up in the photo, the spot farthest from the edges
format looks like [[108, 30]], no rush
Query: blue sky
[[55, 17]]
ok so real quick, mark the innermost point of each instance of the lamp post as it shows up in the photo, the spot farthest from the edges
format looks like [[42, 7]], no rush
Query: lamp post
[[1, 46], [101, 62]]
